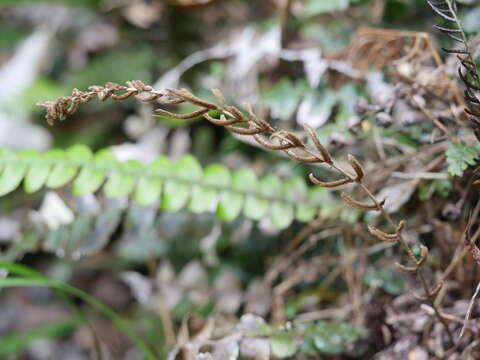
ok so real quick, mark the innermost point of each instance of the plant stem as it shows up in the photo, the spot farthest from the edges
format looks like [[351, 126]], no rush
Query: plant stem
[[407, 249]]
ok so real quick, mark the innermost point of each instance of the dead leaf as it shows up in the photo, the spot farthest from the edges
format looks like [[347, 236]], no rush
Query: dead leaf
[[396, 195]]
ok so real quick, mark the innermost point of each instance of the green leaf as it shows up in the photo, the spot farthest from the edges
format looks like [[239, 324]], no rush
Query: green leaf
[[12, 173], [460, 156], [334, 337], [215, 190], [296, 190], [387, 279], [330, 204], [283, 345], [91, 178], [282, 215], [122, 182], [284, 96], [281, 212], [231, 203], [206, 198], [255, 206], [442, 187], [66, 170], [149, 188], [39, 170], [177, 192]]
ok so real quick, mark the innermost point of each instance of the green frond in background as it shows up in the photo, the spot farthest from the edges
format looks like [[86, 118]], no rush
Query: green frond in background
[[173, 186], [460, 156]]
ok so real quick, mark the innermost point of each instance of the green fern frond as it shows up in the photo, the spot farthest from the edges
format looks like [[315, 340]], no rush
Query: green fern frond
[[460, 156], [173, 186]]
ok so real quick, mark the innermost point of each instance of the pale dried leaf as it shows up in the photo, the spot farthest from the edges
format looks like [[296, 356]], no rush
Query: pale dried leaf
[[396, 195], [54, 212], [140, 286]]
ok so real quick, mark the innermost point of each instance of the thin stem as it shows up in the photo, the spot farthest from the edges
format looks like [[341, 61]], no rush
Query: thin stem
[[459, 25]]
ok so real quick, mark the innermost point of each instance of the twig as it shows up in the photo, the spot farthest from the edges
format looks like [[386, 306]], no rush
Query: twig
[[283, 15], [469, 310]]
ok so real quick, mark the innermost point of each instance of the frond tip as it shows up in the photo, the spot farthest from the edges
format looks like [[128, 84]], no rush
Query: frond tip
[[322, 149], [63, 107], [360, 173]]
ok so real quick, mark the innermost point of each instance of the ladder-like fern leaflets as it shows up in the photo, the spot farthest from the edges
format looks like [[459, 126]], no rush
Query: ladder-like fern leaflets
[[468, 71], [450, 32], [172, 186], [444, 9]]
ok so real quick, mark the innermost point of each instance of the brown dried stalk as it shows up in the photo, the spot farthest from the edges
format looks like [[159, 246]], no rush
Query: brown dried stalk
[[234, 120], [390, 48], [380, 47]]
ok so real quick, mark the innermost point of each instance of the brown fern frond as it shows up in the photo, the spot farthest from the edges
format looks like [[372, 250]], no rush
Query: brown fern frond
[[189, 97], [188, 116], [259, 129], [359, 205], [423, 255], [323, 151], [264, 143], [329, 184], [407, 269], [356, 167], [230, 117], [391, 238], [401, 226], [220, 122]]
